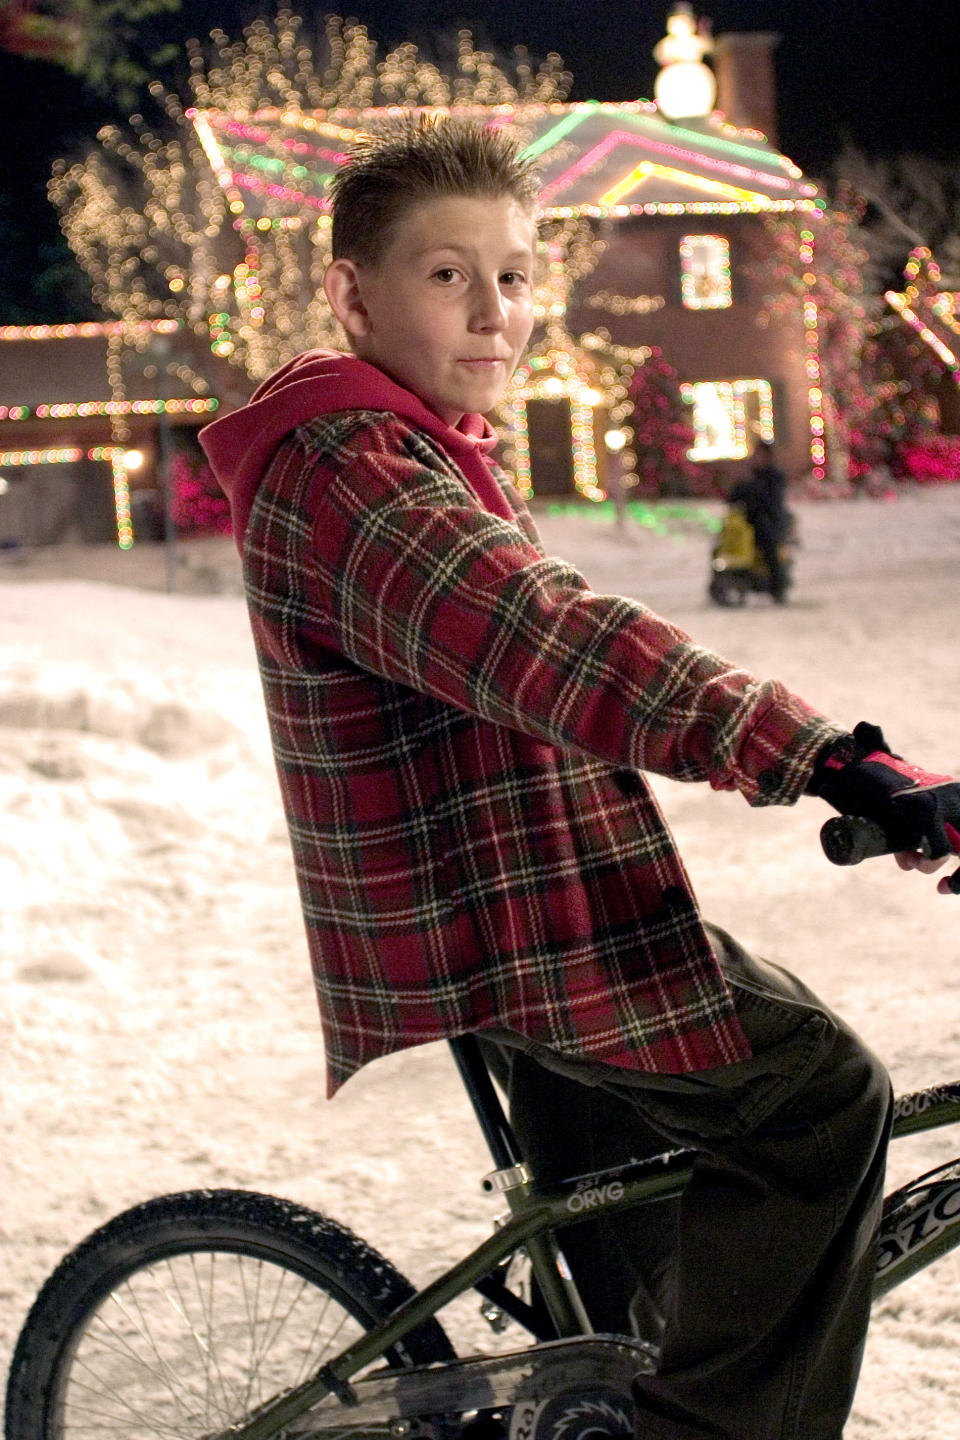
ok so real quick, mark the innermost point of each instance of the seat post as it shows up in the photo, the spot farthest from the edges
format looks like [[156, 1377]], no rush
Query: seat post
[[550, 1269], [496, 1128]]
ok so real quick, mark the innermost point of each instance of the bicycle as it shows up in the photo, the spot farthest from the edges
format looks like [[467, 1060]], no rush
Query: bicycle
[[230, 1315]]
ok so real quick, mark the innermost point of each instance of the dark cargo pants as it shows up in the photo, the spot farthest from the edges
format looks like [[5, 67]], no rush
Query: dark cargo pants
[[759, 1276]]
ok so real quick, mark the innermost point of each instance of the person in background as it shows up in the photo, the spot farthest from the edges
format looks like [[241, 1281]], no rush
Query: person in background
[[764, 501]]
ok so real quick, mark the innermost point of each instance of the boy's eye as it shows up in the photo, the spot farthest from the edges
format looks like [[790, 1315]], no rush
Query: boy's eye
[[445, 274], [513, 278]]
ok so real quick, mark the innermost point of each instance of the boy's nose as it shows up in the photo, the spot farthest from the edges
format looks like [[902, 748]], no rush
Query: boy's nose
[[489, 308]]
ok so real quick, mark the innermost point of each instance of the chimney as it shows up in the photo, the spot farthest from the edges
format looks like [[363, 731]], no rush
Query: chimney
[[746, 81]]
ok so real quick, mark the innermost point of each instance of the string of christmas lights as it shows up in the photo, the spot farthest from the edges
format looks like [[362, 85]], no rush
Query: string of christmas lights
[[117, 457], [926, 334], [625, 304], [59, 455], [681, 208], [85, 330], [616, 139], [84, 409], [923, 276], [812, 365]]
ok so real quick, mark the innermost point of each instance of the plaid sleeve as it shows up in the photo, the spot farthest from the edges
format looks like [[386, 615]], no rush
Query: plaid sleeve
[[425, 587]]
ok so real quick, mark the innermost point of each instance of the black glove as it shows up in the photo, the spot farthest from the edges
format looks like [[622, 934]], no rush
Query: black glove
[[858, 775]]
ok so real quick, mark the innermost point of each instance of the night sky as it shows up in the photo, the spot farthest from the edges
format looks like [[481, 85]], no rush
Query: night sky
[[885, 76]]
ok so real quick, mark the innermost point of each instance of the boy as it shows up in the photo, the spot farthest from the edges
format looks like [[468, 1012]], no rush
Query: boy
[[460, 726]]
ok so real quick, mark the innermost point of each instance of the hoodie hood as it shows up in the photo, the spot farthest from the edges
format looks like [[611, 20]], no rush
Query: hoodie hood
[[323, 382]]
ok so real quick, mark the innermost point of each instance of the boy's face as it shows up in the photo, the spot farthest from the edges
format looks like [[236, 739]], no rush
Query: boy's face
[[449, 308]]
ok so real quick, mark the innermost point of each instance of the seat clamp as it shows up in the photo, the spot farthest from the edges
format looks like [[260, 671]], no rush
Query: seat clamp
[[512, 1178]]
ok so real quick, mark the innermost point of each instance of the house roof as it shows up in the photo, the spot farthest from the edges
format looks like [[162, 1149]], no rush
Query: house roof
[[596, 158]]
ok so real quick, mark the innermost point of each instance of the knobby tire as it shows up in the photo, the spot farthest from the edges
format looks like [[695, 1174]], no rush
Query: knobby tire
[[179, 1316]]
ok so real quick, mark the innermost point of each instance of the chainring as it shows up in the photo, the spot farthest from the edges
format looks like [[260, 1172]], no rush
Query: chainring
[[597, 1412]]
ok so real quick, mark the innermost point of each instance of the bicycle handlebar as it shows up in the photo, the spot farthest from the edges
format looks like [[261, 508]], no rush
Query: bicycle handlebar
[[849, 839]]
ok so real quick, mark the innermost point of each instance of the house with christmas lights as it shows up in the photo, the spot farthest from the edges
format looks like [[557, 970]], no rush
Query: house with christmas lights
[[652, 212], [93, 415], [672, 230]]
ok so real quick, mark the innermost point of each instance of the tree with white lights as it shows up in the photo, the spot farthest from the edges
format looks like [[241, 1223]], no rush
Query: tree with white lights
[[162, 236]]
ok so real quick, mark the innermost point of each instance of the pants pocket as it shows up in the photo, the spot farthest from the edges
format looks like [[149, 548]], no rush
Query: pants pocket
[[790, 1041]]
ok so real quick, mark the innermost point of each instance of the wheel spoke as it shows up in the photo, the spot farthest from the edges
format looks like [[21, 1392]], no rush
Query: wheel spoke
[[194, 1342], [185, 1313], [106, 1351]]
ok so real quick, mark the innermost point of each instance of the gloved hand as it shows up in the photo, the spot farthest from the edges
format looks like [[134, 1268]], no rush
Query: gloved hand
[[919, 812]]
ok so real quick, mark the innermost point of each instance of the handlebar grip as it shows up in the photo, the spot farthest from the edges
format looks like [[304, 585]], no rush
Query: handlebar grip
[[848, 839]]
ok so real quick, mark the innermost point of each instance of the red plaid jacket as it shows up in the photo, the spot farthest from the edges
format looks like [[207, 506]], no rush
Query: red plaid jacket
[[459, 726]]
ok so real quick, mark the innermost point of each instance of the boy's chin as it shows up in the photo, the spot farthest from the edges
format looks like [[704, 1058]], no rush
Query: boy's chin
[[452, 407], [484, 398]]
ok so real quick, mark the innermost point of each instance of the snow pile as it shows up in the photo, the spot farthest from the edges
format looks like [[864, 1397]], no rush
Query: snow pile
[[159, 1029]]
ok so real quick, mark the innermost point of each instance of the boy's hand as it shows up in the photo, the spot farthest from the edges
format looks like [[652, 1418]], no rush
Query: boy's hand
[[919, 812]]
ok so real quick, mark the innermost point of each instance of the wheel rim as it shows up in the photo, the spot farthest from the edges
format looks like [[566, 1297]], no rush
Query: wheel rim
[[191, 1343]]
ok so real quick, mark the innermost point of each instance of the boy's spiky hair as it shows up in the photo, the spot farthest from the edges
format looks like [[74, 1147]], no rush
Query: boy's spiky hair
[[416, 158]]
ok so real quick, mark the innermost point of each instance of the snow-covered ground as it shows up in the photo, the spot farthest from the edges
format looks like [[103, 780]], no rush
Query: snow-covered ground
[[158, 1028]]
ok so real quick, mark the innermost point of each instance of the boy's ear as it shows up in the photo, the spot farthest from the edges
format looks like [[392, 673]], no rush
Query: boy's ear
[[341, 285]]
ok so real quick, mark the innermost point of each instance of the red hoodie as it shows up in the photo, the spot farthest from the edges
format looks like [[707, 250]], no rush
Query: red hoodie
[[459, 725], [323, 382]]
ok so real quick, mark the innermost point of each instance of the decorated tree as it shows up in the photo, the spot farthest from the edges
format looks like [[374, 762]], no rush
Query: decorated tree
[[908, 201], [662, 427], [815, 270], [903, 375], [933, 459], [209, 207], [911, 363], [198, 506]]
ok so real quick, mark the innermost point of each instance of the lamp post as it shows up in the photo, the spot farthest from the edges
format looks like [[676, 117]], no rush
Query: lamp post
[[614, 442], [159, 350]]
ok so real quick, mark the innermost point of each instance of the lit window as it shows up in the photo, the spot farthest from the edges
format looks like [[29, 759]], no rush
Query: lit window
[[727, 416], [705, 272]]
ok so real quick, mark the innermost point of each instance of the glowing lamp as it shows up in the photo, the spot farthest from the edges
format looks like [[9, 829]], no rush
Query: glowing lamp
[[132, 459], [615, 440]]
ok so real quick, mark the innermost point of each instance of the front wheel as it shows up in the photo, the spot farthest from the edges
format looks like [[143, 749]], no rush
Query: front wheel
[[728, 588], [181, 1315]]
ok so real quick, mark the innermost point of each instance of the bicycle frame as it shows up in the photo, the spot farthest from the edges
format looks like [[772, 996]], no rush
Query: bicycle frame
[[921, 1222]]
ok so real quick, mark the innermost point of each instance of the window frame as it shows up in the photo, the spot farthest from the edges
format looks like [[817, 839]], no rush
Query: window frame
[[717, 272], [734, 397]]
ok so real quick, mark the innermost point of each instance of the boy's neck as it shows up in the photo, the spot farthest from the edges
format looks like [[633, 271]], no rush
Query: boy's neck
[[455, 423]]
